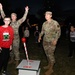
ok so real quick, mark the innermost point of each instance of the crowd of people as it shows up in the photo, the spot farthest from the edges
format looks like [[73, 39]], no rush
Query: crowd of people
[[14, 54], [9, 39]]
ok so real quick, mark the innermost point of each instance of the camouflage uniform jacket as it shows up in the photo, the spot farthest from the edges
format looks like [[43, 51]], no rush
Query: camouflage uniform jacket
[[51, 31], [15, 25]]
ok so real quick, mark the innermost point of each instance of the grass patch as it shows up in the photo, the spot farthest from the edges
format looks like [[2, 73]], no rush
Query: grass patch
[[63, 65]]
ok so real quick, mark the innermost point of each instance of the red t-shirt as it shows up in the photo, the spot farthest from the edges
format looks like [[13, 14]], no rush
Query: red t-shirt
[[6, 36]]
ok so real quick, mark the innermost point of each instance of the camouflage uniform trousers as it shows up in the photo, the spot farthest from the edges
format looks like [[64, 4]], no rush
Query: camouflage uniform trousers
[[15, 49], [49, 49]]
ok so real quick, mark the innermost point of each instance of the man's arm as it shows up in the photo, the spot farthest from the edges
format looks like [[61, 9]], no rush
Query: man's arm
[[1, 11], [41, 34], [20, 21], [57, 34], [58, 31]]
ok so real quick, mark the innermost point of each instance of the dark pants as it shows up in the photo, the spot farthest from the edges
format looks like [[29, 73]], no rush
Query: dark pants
[[72, 48], [49, 51], [27, 38], [36, 39], [4, 58]]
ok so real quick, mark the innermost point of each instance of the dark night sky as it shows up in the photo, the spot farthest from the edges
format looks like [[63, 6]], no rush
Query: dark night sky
[[66, 4], [36, 5]]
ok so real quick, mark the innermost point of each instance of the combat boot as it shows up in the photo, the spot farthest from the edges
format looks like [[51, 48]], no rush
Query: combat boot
[[50, 70], [17, 63], [11, 61], [47, 67]]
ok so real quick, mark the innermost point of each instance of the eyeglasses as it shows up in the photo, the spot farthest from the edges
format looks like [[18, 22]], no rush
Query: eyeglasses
[[6, 20]]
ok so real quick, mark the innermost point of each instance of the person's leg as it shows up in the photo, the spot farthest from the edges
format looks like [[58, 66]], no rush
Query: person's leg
[[27, 41], [16, 51], [17, 56], [50, 55], [11, 57], [52, 62], [1, 60], [45, 46], [37, 39], [70, 49], [74, 47], [6, 58]]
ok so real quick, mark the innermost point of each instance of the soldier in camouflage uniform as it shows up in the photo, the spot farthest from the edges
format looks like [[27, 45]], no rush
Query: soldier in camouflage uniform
[[15, 25], [51, 31]]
